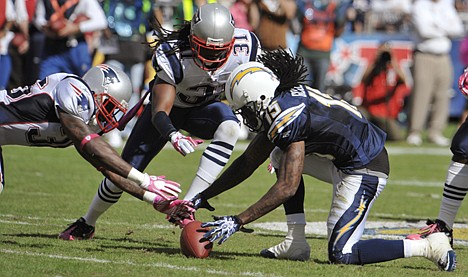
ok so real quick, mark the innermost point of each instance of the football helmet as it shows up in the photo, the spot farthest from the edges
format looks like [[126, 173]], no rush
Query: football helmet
[[211, 36], [249, 90], [111, 90], [463, 82]]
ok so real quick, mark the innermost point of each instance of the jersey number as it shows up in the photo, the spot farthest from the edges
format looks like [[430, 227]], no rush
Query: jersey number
[[326, 100]]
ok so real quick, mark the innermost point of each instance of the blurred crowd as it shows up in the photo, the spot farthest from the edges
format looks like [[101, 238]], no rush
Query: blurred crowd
[[41, 37]]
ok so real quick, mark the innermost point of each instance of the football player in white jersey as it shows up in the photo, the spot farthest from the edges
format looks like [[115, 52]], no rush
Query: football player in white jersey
[[456, 182], [64, 109], [192, 65], [308, 132]]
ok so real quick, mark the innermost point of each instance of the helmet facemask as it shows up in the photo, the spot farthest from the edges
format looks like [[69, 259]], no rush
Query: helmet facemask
[[108, 111], [253, 112], [210, 55]]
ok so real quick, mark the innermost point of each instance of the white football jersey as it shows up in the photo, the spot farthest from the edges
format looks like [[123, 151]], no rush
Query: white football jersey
[[28, 115], [195, 86]]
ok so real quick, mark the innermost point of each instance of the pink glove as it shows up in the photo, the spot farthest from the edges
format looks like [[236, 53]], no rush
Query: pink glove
[[164, 188], [463, 83], [174, 208], [184, 145]]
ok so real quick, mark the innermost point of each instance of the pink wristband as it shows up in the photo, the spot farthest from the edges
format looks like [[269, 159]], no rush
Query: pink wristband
[[87, 139]]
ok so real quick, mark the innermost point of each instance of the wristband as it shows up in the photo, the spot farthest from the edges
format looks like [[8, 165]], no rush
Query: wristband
[[136, 176], [163, 124], [149, 197], [87, 139]]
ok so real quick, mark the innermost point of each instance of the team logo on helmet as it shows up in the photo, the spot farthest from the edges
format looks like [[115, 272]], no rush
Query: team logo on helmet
[[241, 74], [110, 76]]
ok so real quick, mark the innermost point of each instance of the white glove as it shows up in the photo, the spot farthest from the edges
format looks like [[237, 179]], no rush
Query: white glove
[[184, 145], [165, 188]]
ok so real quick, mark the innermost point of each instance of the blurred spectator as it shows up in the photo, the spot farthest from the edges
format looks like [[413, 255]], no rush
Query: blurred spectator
[[380, 95], [127, 49], [19, 45], [240, 11], [322, 21], [271, 20], [435, 23], [65, 23], [356, 15], [7, 19], [164, 11], [390, 16], [186, 9]]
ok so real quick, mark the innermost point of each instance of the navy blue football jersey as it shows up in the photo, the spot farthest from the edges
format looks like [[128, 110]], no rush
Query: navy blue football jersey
[[330, 127]]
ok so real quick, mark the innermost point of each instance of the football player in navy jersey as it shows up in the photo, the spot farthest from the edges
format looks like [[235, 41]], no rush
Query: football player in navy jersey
[[192, 65], [456, 184], [309, 132], [64, 109]]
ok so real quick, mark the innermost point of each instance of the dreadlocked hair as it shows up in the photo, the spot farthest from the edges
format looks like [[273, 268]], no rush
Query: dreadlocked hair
[[162, 35], [289, 69]]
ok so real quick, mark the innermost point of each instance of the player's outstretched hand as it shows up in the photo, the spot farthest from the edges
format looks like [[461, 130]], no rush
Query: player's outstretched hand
[[174, 208], [224, 227], [167, 189], [183, 144], [199, 201]]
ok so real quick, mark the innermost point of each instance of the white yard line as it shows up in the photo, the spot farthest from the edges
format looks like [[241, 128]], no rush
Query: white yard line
[[130, 263]]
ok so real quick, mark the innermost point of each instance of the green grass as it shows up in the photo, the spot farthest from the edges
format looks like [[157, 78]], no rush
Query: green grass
[[50, 188]]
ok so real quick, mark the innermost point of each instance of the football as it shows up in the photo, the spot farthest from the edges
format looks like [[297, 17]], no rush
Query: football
[[192, 243]]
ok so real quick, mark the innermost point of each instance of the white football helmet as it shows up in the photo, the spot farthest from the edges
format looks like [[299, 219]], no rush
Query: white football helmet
[[211, 36], [249, 90], [112, 90]]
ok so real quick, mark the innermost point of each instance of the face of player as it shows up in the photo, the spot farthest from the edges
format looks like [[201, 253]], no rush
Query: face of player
[[252, 118]]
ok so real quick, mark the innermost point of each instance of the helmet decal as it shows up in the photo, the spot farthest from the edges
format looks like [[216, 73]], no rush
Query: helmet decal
[[110, 76], [241, 74], [83, 103]]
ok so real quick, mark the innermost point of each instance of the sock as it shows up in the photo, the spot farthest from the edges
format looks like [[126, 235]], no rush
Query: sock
[[455, 190], [215, 157], [415, 248], [296, 226], [376, 251], [106, 196]]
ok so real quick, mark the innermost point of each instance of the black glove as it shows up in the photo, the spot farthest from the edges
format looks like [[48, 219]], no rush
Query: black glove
[[199, 201]]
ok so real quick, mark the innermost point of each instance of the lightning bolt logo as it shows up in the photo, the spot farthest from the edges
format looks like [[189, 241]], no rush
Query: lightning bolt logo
[[350, 225], [243, 73]]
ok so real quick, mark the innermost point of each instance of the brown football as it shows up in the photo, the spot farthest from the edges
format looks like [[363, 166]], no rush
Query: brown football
[[192, 243]]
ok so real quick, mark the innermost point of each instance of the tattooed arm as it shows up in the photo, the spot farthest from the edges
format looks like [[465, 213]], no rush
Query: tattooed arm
[[97, 152], [289, 175], [243, 167], [100, 154]]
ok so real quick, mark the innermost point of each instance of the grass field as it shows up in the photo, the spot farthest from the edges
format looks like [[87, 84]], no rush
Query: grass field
[[47, 189]]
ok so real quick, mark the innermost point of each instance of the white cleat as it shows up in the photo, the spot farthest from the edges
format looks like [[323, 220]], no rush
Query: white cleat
[[440, 252], [289, 250]]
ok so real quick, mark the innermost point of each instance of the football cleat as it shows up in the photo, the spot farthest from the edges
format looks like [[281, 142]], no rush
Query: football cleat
[[440, 252], [289, 250], [433, 227], [79, 230]]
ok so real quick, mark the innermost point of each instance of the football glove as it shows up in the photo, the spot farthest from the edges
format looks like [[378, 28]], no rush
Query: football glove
[[463, 83], [174, 208], [184, 145], [199, 201], [225, 226], [167, 189]]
